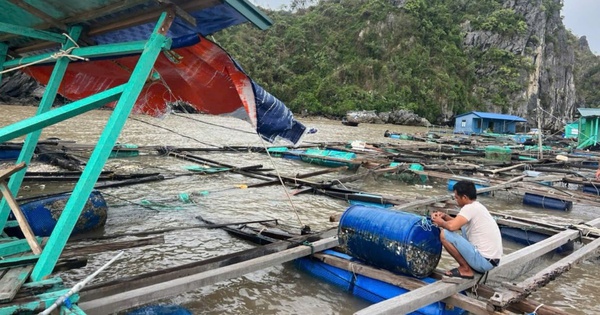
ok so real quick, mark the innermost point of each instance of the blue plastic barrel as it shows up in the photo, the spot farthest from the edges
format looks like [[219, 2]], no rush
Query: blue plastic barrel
[[527, 237], [43, 213], [591, 189], [160, 310], [452, 182], [547, 202], [398, 241]]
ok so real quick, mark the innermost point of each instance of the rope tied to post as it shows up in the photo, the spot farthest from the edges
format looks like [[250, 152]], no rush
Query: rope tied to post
[[66, 53]]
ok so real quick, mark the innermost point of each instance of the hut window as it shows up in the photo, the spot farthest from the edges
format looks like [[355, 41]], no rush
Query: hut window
[[463, 123]]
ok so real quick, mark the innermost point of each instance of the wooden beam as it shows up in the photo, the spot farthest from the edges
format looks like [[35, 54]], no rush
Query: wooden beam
[[31, 33], [128, 299], [91, 249], [525, 306], [108, 50], [416, 299], [23, 224], [180, 12], [97, 291], [540, 279], [11, 282]]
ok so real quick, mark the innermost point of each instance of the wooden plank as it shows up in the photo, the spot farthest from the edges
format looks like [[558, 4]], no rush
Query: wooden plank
[[96, 291], [91, 249], [12, 281], [508, 168], [321, 172], [416, 299], [31, 33], [23, 224], [18, 261], [15, 247], [540, 279], [6, 173], [525, 306], [180, 12], [128, 299]]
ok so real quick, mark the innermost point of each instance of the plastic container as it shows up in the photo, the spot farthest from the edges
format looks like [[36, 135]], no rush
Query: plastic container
[[397, 241]]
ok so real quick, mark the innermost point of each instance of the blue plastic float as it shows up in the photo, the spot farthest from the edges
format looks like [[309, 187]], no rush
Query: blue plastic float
[[9, 152], [527, 237], [161, 310], [547, 202], [591, 189], [364, 287]]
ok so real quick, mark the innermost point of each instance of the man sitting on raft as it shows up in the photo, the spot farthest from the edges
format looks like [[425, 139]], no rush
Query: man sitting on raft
[[480, 247]]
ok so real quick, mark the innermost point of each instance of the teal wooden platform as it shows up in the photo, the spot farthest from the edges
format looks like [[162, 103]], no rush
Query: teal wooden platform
[[28, 29]]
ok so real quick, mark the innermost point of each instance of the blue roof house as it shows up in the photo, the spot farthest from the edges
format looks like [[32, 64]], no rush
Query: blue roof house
[[480, 122]]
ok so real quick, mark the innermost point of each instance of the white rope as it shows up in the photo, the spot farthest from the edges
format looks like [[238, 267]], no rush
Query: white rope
[[55, 56], [280, 179], [537, 308], [586, 230]]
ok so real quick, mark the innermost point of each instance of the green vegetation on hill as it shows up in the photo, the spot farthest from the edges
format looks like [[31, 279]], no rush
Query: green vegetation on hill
[[342, 55]]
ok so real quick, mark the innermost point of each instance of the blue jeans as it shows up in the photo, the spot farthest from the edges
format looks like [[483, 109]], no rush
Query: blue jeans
[[468, 251]]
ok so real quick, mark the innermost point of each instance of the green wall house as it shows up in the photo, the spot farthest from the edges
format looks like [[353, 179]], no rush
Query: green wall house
[[572, 130], [589, 123]]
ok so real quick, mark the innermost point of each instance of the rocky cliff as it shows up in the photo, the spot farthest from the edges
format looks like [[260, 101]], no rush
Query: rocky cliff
[[544, 47]]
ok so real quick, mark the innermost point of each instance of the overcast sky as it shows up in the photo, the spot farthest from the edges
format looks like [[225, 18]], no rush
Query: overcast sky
[[581, 16]]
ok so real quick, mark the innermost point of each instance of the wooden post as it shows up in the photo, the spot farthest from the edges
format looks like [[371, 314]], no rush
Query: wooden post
[[12, 204]]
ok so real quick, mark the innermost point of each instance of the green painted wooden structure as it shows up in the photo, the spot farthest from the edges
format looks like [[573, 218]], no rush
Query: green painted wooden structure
[[589, 127], [572, 130], [26, 28]]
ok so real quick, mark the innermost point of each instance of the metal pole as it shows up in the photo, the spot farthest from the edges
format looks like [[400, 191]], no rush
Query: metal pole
[[76, 288]]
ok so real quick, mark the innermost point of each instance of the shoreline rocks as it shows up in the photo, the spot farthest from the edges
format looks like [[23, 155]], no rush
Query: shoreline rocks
[[397, 117]]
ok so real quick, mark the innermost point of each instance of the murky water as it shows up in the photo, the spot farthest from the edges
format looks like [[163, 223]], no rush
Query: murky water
[[275, 290]]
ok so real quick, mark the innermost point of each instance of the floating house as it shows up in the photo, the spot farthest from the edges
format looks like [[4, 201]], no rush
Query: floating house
[[589, 123], [480, 122]]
